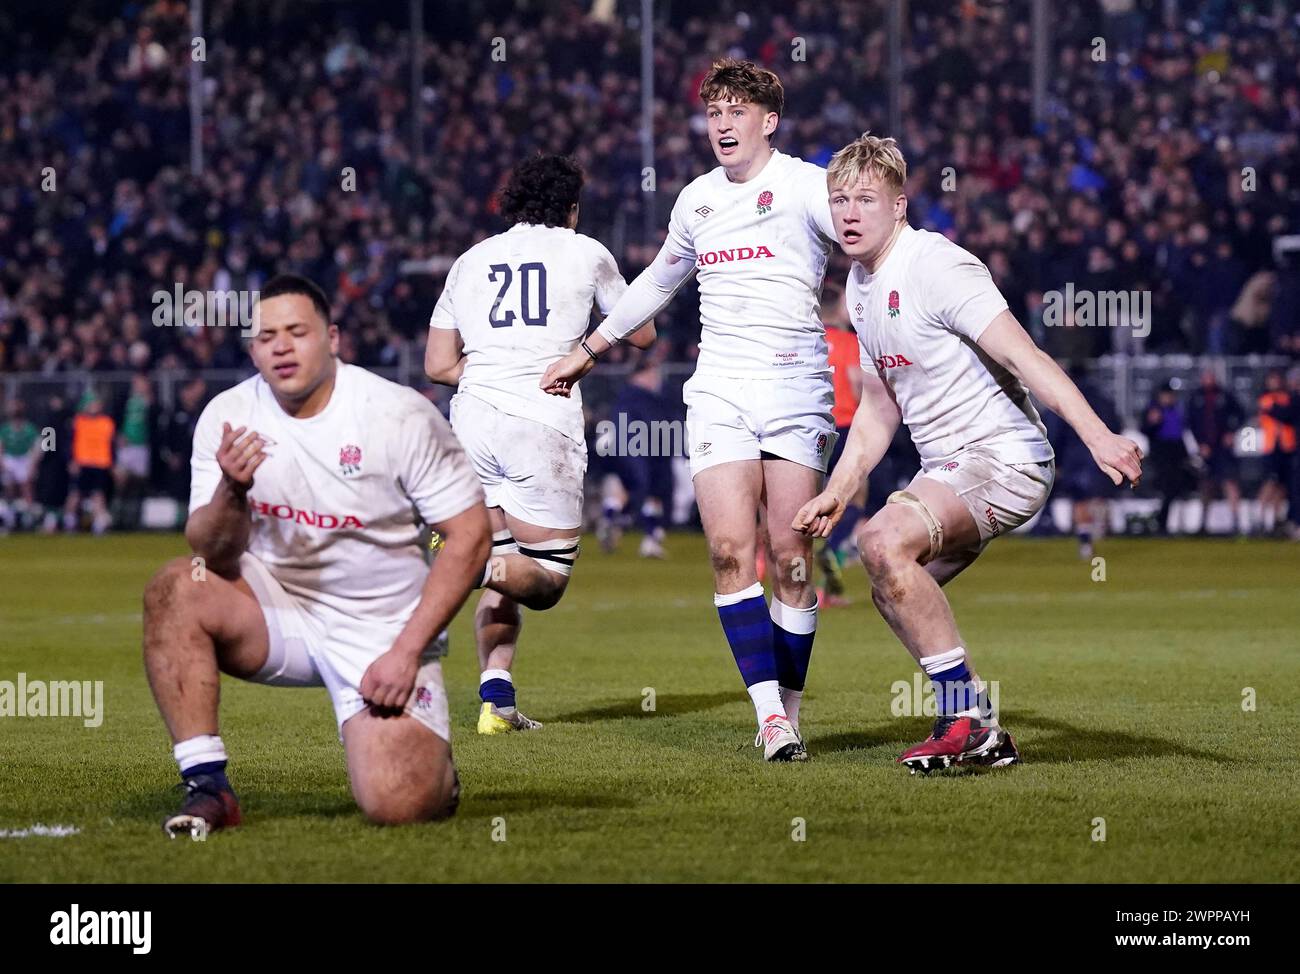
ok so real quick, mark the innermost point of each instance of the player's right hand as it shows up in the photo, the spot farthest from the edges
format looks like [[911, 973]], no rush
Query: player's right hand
[[560, 376], [240, 454], [818, 517], [1118, 457]]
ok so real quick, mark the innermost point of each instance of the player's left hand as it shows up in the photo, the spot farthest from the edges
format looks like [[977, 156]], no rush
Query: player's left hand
[[388, 681], [818, 517], [560, 376], [1119, 457]]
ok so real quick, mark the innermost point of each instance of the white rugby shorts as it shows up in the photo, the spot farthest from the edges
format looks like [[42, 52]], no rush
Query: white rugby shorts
[[731, 419], [312, 645], [1000, 496], [530, 470]]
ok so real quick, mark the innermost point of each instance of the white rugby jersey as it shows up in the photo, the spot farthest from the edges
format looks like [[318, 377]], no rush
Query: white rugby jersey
[[760, 250], [918, 319], [338, 503], [522, 300]]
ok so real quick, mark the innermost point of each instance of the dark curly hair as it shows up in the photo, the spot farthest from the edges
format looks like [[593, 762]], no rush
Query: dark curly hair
[[542, 190]]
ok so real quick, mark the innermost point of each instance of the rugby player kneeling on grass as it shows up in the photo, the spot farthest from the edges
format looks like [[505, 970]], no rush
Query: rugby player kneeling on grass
[[314, 484]]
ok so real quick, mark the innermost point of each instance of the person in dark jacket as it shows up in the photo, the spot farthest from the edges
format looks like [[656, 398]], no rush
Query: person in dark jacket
[[645, 470], [176, 439], [1164, 426], [1214, 416]]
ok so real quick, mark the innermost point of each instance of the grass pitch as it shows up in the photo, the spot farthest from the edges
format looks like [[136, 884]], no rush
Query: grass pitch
[[1125, 696]]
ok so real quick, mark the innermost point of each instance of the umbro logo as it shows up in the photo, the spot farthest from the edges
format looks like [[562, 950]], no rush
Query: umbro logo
[[704, 448], [703, 211], [858, 309]]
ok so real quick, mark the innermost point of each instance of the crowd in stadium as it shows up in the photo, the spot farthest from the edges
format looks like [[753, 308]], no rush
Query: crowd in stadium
[[1170, 165]]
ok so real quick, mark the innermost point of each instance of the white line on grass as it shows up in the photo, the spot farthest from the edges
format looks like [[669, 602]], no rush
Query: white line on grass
[[40, 830]]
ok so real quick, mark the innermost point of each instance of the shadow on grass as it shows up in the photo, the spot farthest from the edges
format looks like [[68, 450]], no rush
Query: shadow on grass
[[479, 802], [669, 704], [154, 806], [860, 740], [1067, 742], [1063, 742]]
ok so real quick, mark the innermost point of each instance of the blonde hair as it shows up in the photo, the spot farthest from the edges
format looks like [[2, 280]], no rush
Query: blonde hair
[[868, 156]]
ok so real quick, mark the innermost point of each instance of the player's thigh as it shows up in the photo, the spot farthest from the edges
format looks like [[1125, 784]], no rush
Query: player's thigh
[[553, 549], [949, 509], [906, 529], [400, 770], [184, 592], [728, 495], [787, 486], [525, 532], [952, 562], [892, 535]]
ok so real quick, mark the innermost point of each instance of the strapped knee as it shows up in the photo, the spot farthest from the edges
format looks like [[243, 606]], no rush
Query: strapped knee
[[932, 524], [557, 555]]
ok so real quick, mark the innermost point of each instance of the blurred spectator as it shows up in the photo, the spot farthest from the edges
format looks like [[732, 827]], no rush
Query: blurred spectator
[[1134, 178], [19, 450], [645, 414], [176, 439], [52, 474], [92, 464], [1214, 417], [1278, 408], [1165, 427], [131, 475], [1251, 313]]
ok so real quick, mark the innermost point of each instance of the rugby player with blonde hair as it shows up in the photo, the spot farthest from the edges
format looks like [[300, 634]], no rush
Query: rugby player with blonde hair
[[941, 353]]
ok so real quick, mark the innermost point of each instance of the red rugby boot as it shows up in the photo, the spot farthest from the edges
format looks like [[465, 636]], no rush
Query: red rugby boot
[[209, 805], [961, 740]]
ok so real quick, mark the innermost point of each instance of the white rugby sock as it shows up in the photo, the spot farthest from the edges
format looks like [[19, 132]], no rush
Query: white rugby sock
[[767, 699], [791, 699], [204, 749]]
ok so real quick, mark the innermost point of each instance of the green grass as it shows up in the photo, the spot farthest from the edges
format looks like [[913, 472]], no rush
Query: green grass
[[1124, 695]]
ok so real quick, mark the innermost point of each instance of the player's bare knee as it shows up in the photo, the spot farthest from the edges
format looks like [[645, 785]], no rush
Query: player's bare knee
[[725, 555], [409, 804], [793, 572], [170, 591], [881, 552], [549, 595]]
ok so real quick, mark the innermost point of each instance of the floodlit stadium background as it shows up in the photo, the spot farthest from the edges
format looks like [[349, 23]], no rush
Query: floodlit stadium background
[[1146, 147]]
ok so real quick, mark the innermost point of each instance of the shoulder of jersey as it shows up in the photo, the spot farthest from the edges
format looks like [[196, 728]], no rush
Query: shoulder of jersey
[[591, 243], [935, 247], [243, 391], [700, 183], [484, 244], [370, 384], [803, 166], [395, 402]]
